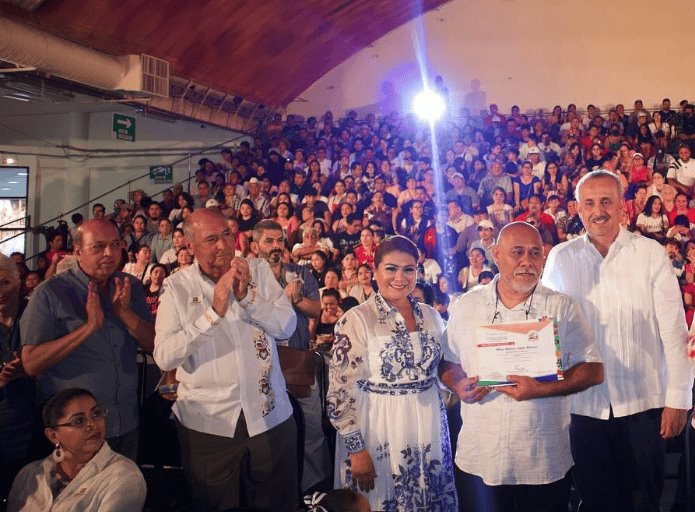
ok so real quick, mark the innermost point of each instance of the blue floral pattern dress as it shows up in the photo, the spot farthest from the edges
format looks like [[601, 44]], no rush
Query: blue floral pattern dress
[[383, 397]]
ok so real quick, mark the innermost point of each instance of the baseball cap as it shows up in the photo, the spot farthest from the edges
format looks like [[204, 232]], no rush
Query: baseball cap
[[534, 151], [212, 203], [485, 224]]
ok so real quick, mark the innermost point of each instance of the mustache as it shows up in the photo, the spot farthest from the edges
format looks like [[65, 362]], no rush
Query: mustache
[[274, 254], [599, 217], [526, 271]]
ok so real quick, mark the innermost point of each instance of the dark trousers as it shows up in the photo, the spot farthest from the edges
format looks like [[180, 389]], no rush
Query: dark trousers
[[476, 496], [258, 471], [619, 462]]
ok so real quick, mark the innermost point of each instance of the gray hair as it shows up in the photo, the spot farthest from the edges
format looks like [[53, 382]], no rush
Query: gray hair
[[594, 175], [265, 225]]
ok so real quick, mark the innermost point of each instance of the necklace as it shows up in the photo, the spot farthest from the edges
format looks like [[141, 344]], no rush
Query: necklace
[[58, 483]]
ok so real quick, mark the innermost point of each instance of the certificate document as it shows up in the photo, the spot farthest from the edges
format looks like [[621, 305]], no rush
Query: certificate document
[[530, 348]]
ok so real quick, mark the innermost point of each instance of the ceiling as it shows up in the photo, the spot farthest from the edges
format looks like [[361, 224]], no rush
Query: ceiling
[[262, 51]]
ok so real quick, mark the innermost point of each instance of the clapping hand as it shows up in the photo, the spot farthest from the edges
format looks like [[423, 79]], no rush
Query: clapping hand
[[12, 370], [236, 281], [241, 277], [121, 295], [95, 315], [293, 291]]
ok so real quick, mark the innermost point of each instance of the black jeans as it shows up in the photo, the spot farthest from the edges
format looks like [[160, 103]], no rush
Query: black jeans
[[619, 462], [476, 496]]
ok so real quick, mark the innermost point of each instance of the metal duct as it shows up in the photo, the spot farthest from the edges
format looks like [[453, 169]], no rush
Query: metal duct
[[27, 46]]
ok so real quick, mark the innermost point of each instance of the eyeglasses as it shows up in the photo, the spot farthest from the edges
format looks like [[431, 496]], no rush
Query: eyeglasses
[[81, 420], [100, 247]]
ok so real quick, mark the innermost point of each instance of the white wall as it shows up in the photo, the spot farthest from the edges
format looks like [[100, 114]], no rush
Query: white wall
[[534, 53], [58, 184]]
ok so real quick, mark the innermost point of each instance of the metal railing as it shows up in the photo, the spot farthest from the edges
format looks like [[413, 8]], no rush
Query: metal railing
[[128, 183]]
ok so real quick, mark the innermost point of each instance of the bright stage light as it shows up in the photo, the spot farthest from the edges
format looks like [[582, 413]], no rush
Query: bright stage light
[[429, 105]]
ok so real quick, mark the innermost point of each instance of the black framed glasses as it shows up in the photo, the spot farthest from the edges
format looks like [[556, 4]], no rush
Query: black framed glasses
[[81, 420]]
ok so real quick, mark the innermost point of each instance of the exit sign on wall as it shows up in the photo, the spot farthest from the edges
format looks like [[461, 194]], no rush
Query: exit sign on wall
[[124, 127], [162, 174]]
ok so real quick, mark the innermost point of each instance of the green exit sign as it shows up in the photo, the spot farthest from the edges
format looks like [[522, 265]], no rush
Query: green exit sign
[[124, 127], [162, 174]]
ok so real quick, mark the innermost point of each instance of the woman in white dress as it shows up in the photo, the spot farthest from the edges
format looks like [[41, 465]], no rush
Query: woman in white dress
[[383, 398]]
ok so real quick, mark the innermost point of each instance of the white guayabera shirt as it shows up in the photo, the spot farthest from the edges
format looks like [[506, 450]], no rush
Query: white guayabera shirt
[[632, 300], [503, 441], [225, 365]]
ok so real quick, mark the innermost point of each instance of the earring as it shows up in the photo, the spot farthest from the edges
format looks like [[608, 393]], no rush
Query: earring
[[58, 454]]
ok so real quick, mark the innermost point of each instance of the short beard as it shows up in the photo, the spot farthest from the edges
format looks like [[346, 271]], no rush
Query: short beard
[[273, 257]]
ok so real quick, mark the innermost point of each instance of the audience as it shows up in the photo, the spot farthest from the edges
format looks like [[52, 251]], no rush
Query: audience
[[337, 187]]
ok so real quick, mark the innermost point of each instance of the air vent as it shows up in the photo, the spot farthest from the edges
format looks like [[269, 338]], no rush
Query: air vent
[[155, 75]]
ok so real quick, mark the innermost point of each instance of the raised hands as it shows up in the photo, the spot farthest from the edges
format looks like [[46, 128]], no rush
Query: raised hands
[[121, 295], [236, 281], [95, 314], [12, 370], [293, 291], [242, 276]]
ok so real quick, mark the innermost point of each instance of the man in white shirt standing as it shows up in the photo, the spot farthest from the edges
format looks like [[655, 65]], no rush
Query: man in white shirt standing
[[216, 325], [513, 451], [626, 287]]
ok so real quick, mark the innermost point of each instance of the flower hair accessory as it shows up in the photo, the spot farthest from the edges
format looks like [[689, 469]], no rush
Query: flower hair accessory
[[313, 502]]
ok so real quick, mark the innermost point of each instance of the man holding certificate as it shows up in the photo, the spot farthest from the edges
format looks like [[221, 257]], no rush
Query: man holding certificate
[[631, 298], [514, 349]]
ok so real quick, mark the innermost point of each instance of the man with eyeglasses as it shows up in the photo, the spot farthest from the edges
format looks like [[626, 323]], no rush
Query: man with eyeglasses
[[513, 450], [83, 328]]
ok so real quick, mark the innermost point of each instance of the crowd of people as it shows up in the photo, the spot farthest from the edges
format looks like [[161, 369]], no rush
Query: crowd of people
[[353, 238]]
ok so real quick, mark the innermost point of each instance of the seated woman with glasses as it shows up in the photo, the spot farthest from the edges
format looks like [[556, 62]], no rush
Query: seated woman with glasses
[[82, 473]]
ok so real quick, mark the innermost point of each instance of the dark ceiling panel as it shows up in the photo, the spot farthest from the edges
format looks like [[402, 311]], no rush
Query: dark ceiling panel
[[267, 51]]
